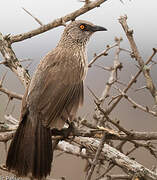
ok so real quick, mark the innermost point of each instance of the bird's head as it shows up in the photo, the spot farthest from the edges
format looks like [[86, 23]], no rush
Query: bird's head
[[79, 31]]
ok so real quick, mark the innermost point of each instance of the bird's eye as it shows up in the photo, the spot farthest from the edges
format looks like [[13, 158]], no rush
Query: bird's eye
[[82, 26]]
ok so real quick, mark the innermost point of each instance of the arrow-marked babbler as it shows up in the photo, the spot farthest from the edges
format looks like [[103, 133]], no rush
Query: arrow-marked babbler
[[54, 95]]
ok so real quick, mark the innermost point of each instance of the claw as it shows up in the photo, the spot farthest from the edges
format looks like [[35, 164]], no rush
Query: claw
[[65, 132]]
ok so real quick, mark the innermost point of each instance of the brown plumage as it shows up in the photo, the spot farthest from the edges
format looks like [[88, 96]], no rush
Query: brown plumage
[[53, 96]]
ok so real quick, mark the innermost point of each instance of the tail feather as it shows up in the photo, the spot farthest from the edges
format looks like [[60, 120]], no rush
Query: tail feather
[[30, 152], [42, 159]]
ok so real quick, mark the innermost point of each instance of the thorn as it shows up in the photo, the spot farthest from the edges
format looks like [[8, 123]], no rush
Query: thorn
[[5, 147], [7, 37], [130, 31], [2, 80], [144, 87], [155, 50], [92, 93], [116, 39], [13, 109], [63, 22], [37, 20], [94, 55], [10, 98]]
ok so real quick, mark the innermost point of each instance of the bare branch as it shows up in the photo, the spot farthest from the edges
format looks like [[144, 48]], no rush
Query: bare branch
[[12, 62], [132, 81], [95, 160], [136, 105], [4, 137], [113, 76], [145, 69], [93, 94], [11, 94], [138, 89], [2, 62], [112, 155], [103, 53], [57, 22], [106, 171]]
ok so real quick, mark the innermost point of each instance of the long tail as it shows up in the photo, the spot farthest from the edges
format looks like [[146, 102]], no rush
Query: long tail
[[30, 152]]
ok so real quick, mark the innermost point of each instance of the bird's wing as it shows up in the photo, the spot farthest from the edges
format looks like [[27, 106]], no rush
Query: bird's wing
[[59, 86]]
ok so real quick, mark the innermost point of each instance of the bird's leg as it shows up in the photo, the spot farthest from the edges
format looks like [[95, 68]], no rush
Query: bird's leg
[[56, 132], [65, 132], [71, 128]]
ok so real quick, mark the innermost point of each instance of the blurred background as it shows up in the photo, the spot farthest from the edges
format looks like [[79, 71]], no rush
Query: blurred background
[[142, 17]]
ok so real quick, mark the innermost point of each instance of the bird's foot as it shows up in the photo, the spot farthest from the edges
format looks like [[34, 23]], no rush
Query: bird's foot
[[65, 132], [68, 131]]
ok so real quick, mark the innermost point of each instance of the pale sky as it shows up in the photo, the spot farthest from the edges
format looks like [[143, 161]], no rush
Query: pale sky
[[141, 12], [142, 15]]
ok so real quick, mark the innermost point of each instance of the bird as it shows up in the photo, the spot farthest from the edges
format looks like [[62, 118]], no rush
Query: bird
[[52, 98]]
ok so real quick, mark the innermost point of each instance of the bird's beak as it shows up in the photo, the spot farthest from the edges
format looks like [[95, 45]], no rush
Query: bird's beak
[[97, 28]]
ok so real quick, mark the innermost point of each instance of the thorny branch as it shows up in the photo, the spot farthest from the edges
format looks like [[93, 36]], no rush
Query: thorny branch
[[111, 154], [97, 154], [131, 82], [89, 142], [145, 69], [103, 53], [11, 61], [135, 104], [113, 76], [57, 22], [106, 93], [11, 94]]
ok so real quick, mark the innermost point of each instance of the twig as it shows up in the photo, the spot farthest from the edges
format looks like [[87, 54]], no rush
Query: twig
[[147, 145], [106, 171], [113, 75], [136, 105], [2, 80], [4, 137], [11, 119], [92, 93], [11, 94], [138, 89], [103, 53], [2, 62], [105, 68], [36, 19], [105, 114], [95, 160]]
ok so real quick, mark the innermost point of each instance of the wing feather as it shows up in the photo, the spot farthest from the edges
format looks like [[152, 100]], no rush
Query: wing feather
[[56, 89]]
